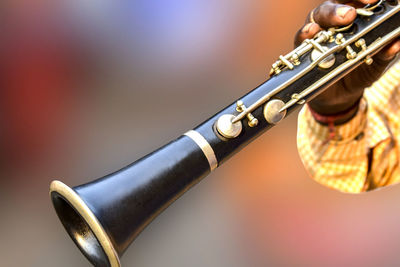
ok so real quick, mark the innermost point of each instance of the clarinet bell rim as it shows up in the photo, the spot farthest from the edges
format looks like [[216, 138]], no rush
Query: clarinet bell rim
[[63, 196]]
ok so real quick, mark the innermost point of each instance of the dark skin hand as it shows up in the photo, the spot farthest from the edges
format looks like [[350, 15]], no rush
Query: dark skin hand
[[345, 93]]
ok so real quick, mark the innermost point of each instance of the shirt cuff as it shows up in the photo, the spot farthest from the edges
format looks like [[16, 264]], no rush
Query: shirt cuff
[[353, 129]]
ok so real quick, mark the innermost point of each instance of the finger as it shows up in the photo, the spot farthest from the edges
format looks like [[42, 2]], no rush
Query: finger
[[365, 2], [390, 51], [307, 32], [332, 15]]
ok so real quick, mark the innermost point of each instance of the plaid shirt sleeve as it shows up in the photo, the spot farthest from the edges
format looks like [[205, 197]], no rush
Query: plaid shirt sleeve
[[364, 153]]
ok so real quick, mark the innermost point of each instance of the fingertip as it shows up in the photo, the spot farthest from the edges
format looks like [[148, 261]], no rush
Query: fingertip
[[345, 14], [390, 51], [368, 1], [393, 49], [313, 29], [308, 31], [331, 14], [308, 27]]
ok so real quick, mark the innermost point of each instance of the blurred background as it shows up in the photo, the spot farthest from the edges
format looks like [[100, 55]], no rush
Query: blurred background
[[91, 86]]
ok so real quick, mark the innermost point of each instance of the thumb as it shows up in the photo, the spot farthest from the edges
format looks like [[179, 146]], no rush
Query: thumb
[[390, 51]]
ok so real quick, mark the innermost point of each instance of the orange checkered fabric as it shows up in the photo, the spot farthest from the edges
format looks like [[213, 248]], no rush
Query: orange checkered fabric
[[365, 152]]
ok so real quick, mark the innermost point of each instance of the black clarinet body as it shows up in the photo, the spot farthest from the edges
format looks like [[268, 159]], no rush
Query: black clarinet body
[[104, 216]]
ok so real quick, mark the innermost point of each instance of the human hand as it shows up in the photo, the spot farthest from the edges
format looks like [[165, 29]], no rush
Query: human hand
[[345, 93]]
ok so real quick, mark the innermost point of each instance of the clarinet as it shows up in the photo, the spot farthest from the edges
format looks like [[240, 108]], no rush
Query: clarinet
[[104, 216]]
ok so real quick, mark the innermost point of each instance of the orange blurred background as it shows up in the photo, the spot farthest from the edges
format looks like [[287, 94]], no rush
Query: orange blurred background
[[91, 86]]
